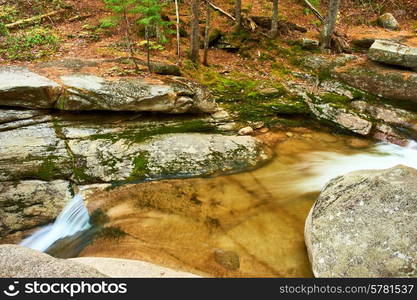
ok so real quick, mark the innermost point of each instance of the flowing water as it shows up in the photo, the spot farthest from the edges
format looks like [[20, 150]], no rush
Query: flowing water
[[73, 219], [247, 224]]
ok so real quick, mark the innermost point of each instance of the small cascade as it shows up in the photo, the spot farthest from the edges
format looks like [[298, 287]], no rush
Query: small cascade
[[74, 218], [320, 167]]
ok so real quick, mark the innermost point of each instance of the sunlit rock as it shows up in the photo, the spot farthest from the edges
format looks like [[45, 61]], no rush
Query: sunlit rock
[[31, 203], [363, 225], [392, 53], [88, 92], [20, 87]]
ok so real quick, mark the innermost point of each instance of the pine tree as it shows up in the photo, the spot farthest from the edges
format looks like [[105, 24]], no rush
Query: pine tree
[[151, 17], [122, 9]]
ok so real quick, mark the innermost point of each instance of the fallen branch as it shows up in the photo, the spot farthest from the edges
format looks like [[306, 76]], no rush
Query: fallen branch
[[33, 19], [314, 10], [79, 18], [222, 11]]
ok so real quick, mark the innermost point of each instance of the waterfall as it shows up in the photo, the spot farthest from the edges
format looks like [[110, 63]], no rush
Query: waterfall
[[320, 167], [73, 218]]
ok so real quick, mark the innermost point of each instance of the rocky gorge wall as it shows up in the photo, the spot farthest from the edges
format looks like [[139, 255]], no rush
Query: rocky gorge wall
[[84, 129]]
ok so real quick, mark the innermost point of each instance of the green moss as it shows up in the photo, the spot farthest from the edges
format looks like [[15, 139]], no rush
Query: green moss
[[48, 169], [139, 136], [81, 175], [335, 99], [140, 166]]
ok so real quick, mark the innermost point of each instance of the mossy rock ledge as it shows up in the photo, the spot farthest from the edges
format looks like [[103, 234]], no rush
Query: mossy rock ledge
[[21, 87]]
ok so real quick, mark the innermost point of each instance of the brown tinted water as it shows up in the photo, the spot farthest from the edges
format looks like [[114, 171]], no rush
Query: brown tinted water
[[247, 224]]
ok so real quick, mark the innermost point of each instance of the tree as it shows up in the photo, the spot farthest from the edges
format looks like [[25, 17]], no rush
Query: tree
[[177, 25], [151, 17], [195, 31], [238, 13], [124, 8], [206, 34], [274, 23], [330, 25]]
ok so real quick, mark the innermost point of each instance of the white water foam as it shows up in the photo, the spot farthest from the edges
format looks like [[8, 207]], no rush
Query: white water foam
[[320, 167], [74, 218]]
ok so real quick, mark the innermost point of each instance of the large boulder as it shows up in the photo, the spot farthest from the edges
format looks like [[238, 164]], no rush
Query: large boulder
[[380, 80], [31, 203], [106, 159], [23, 88], [388, 21], [88, 92], [392, 53], [363, 225], [341, 117], [18, 262]]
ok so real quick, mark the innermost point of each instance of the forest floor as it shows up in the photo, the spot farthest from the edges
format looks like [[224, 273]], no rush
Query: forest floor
[[82, 31], [85, 30]]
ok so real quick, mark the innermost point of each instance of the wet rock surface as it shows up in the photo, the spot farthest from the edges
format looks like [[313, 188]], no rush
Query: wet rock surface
[[363, 225], [29, 203]]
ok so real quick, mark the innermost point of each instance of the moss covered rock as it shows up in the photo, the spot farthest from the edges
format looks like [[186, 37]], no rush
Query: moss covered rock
[[380, 80], [88, 92], [166, 156]]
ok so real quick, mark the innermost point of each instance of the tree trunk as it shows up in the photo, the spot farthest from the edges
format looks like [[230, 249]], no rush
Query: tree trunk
[[177, 13], [129, 42], [206, 34], [330, 25], [148, 49], [274, 24], [195, 32], [238, 13]]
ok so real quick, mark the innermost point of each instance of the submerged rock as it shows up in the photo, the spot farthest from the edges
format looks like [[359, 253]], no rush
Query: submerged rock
[[363, 225], [30, 203], [17, 262], [88, 92], [22, 88], [393, 54]]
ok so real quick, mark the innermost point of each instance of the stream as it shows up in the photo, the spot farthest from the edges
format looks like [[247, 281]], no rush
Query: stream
[[246, 224]]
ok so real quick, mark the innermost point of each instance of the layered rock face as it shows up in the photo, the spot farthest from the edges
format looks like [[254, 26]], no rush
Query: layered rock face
[[88, 92], [363, 225], [20, 87], [23, 88]]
